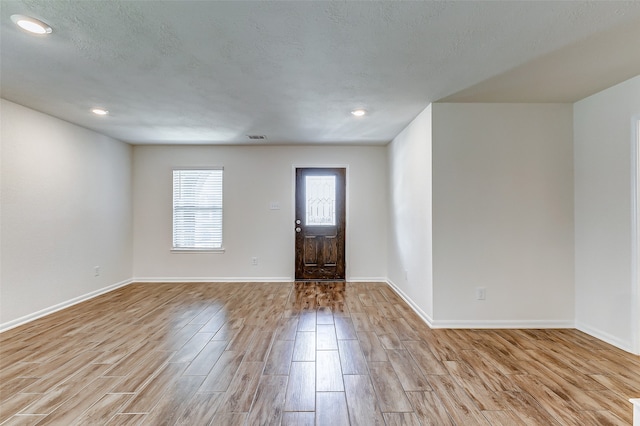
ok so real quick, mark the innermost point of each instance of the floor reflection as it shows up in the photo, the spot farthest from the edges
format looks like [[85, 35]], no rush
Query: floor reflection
[[319, 294]]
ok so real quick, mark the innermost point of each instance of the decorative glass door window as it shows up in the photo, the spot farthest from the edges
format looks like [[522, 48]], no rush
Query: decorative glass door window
[[321, 200]]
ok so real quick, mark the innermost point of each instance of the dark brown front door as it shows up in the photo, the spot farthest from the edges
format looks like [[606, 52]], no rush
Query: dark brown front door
[[320, 223]]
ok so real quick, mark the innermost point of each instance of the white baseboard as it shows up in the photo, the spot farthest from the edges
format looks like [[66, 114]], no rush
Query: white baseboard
[[504, 324], [367, 280], [606, 337], [422, 314], [212, 279], [242, 279], [55, 308], [479, 323]]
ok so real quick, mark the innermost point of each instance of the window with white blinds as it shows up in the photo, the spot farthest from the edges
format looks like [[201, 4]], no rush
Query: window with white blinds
[[197, 209]]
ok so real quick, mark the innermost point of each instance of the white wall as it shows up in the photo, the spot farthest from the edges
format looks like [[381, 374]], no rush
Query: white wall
[[66, 208], [253, 177], [605, 306], [493, 184], [409, 264], [503, 214]]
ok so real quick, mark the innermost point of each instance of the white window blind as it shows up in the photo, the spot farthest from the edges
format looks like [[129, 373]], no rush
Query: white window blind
[[197, 209]]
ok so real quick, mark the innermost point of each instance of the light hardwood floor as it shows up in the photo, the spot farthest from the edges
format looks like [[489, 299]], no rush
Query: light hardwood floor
[[298, 354]]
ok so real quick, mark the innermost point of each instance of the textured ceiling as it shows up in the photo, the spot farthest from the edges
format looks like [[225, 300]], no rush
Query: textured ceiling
[[215, 71]]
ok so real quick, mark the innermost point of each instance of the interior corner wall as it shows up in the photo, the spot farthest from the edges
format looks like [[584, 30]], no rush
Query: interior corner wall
[[605, 302], [255, 176], [503, 215], [66, 208], [409, 264]]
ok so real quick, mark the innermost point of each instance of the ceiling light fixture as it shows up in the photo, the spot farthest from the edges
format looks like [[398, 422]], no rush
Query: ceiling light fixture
[[32, 25], [99, 111], [359, 112]]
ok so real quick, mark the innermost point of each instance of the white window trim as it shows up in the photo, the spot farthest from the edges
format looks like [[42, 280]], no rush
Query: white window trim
[[197, 250]]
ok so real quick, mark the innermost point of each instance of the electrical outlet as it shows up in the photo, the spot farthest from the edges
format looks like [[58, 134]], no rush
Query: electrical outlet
[[254, 261], [481, 293], [96, 271]]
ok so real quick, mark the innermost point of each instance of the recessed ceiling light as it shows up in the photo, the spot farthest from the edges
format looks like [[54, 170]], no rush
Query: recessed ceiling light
[[99, 111], [359, 112], [32, 25]]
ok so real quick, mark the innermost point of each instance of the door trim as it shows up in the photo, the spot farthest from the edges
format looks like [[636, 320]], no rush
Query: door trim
[[347, 235]]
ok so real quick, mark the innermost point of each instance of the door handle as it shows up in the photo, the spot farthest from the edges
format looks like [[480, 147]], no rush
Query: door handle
[[298, 229]]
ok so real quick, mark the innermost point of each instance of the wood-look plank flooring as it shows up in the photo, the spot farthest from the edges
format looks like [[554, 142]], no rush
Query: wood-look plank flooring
[[300, 353]]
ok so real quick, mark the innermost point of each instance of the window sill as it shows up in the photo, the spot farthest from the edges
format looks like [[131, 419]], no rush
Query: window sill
[[197, 250]]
